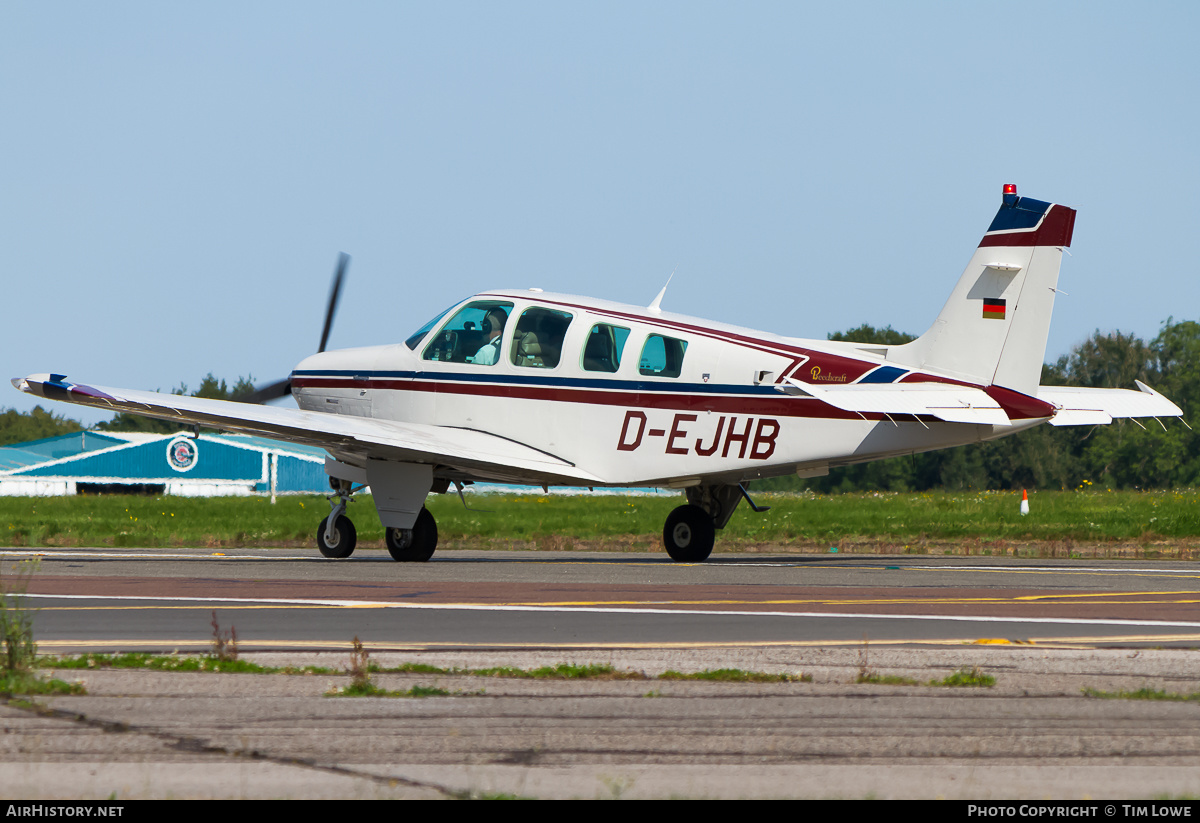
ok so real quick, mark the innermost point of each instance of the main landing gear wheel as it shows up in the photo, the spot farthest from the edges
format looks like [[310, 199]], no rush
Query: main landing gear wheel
[[415, 545], [340, 541], [689, 534]]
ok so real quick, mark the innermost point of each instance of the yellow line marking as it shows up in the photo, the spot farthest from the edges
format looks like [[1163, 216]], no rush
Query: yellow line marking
[[1065, 572], [337, 647], [866, 600]]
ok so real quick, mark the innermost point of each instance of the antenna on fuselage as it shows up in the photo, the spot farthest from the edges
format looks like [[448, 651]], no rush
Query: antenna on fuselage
[[654, 308]]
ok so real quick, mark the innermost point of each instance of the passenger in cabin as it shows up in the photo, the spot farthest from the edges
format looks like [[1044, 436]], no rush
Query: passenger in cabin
[[493, 327], [538, 339]]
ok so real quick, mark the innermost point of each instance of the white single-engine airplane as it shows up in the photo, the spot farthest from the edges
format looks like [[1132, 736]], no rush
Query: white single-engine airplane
[[546, 389]]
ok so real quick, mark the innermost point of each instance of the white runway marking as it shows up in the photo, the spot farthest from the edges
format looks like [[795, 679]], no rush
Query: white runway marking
[[366, 604]]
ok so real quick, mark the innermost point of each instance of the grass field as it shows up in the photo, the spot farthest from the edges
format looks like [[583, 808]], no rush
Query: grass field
[[1083, 523]]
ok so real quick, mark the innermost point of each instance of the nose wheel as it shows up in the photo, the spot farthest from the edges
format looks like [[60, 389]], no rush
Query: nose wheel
[[336, 536], [689, 534], [415, 545], [336, 539]]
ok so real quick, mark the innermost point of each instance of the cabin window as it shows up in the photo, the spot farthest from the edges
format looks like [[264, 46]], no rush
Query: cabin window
[[662, 356], [602, 350], [472, 335], [538, 339]]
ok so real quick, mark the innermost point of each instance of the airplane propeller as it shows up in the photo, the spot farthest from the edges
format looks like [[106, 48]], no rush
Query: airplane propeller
[[282, 388]]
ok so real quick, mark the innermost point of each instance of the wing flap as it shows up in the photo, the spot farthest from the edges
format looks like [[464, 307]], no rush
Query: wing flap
[[953, 404], [464, 449], [1090, 407]]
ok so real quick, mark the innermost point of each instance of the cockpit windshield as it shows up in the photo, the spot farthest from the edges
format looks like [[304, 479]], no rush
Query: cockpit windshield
[[420, 333]]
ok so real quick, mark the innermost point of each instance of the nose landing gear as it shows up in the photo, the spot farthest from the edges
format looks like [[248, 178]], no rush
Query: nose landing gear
[[336, 536]]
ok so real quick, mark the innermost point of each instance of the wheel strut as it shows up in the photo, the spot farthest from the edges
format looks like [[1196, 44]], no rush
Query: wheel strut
[[343, 493]]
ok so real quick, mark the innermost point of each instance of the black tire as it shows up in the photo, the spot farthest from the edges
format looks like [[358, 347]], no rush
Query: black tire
[[689, 535], [415, 545], [345, 538]]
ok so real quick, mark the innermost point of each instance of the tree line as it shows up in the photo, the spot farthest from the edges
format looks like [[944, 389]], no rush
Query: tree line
[[1124, 454]]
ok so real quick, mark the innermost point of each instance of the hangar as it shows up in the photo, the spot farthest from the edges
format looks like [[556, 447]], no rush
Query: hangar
[[92, 462]]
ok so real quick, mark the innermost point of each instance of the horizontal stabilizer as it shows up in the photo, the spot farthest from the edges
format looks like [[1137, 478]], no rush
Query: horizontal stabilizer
[[1092, 407], [954, 404]]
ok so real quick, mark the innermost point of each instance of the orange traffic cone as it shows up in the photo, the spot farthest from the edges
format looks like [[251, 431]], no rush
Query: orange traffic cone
[[1024, 501]]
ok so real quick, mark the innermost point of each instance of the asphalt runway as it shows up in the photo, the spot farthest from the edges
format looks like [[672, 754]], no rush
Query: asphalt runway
[[163, 600], [1046, 630]]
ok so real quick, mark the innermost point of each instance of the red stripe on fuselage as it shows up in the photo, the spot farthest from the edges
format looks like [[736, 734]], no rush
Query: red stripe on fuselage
[[782, 406], [1016, 405], [1019, 406]]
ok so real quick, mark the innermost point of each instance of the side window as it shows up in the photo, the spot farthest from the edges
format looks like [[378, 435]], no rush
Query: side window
[[662, 356], [602, 350], [537, 341], [472, 335]]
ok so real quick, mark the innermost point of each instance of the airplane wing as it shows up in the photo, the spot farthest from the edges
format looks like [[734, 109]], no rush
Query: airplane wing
[[954, 404], [1092, 407], [470, 451]]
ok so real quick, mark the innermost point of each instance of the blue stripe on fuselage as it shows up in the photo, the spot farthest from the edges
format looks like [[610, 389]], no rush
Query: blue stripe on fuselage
[[544, 380], [883, 374]]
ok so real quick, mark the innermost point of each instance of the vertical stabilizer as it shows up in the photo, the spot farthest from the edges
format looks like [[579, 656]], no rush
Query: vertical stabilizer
[[994, 327]]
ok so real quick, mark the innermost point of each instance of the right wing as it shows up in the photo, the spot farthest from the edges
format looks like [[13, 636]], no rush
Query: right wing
[[469, 451], [1092, 407]]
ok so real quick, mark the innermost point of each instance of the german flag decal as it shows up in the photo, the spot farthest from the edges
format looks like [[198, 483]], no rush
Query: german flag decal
[[993, 308]]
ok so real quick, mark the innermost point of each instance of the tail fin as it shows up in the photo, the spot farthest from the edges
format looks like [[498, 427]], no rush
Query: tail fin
[[994, 327]]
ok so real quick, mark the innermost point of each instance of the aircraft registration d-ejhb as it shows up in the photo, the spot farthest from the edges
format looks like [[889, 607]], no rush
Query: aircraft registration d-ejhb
[[553, 390]]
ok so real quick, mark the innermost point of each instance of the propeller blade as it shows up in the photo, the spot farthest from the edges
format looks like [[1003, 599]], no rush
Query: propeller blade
[[282, 388], [334, 292], [271, 391]]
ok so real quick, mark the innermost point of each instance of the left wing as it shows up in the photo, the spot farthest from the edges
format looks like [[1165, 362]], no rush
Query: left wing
[[473, 452]]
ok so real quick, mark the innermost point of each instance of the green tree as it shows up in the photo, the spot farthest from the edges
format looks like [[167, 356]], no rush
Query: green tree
[[1142, 454], [21, 427], [866, 333], [1109, 361]]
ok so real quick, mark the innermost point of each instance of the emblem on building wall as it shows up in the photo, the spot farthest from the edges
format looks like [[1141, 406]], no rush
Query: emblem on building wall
[[182, 453]]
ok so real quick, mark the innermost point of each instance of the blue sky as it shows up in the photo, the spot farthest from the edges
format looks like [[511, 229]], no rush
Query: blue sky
[[179, 178]]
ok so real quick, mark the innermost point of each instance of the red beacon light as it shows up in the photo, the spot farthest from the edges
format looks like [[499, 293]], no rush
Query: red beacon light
[[1010, 194]]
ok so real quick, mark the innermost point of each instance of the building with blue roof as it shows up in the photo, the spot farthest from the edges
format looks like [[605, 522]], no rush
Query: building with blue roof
[[91, 462]]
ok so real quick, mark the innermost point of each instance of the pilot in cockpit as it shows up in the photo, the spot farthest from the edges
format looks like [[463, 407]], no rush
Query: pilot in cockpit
[[493, 327]]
